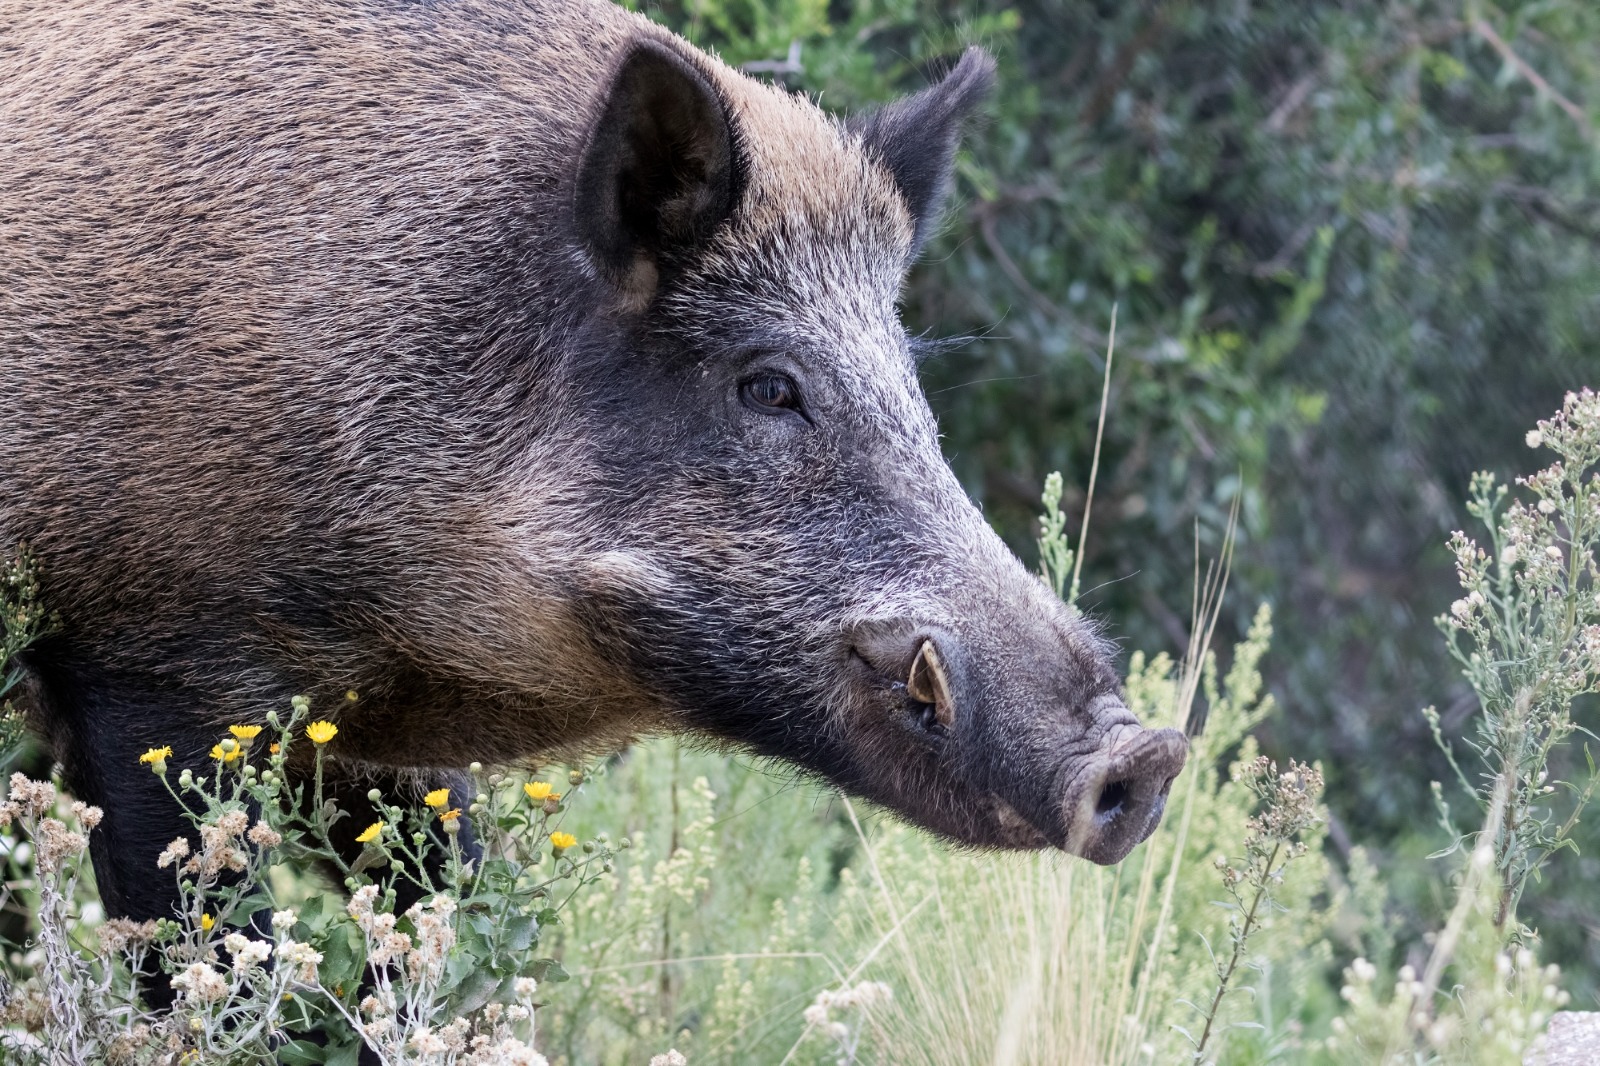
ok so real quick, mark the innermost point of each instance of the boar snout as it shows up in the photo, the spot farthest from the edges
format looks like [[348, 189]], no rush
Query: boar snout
[[1116, 798], [1087, 778]]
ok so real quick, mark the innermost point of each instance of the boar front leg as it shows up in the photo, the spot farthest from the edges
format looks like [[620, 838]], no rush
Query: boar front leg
[[99, 724]]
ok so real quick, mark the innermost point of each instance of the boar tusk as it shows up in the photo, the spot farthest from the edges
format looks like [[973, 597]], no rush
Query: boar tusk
[[928, 684]]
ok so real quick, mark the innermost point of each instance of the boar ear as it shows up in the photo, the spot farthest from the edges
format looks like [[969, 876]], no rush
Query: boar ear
[[659, 172], [915, 138]]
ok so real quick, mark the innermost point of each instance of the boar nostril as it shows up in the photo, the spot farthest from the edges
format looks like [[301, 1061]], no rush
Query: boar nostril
[[1118, 796], [1111, 797]]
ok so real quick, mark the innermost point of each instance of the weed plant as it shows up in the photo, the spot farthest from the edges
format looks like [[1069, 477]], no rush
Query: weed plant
[[267, 974], [1527, 634]]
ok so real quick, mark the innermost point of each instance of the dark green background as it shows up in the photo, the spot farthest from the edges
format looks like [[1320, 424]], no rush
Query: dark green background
[[1352, 247]]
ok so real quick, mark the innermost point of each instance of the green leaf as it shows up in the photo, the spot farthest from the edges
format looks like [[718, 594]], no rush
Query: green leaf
[[483, 925], [476, 987], [343, 957], [302, 1053], [345, 1054], [519, 934], [548, 970]]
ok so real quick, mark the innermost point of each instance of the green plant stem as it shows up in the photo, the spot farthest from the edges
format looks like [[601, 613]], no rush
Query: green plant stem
[[1226, 976], [1477, 870]]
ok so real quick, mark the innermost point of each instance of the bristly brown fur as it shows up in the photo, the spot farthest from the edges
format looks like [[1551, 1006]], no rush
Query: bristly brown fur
[[321, 368]]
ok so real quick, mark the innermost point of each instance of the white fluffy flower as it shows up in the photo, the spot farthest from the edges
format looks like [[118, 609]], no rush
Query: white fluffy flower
[[201, 983], [304, 956], [174, 851], [246, 952], [426, 1042]]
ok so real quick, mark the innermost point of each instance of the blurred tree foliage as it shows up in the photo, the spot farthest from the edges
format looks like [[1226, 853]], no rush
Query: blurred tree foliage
[[1353, 247]]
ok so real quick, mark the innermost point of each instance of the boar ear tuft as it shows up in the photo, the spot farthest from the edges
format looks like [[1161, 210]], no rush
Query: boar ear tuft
[[915, 138], [659, 173]]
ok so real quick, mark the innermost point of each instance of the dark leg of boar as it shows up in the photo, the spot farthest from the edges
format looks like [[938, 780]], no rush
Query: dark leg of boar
[[100, 723]]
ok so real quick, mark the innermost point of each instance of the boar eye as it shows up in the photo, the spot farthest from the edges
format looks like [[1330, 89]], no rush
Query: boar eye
[[770, 393]]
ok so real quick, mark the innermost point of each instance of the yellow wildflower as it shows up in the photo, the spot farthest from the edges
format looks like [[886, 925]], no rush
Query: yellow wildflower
[[540, 790], [227, 755], [439, 797], [321, 732], [245, 732], [274, 749], [562, 841], [207, 923], [370, 833], [451, 815], [157, 758]]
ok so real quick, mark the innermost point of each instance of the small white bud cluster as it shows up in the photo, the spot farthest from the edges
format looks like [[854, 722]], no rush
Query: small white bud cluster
[[863, 996]]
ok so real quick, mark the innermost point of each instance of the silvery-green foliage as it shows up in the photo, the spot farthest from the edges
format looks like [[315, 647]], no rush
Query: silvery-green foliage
[[1527, 635], [84, 1010], [1526, 632], [271, 968], [1500, 1004]]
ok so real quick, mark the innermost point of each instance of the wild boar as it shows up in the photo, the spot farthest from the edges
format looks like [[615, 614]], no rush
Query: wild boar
[[533, 374]]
